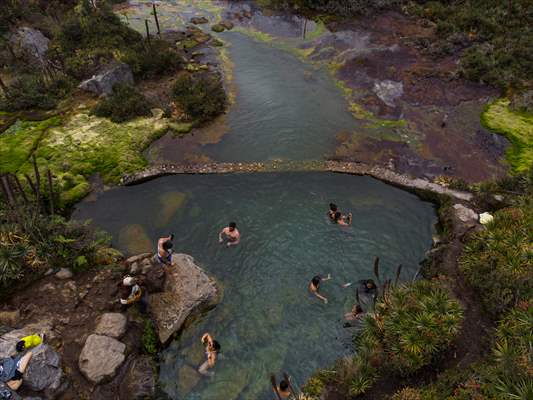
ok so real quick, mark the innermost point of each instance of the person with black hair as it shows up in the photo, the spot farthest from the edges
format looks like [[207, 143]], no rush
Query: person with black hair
[[284, 389], [340, 219], [164, 250], [314, 287], [230, 234], [332, 210], [355, 314], [212, 349]]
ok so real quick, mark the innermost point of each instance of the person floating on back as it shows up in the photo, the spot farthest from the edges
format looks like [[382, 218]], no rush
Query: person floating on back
[[212, 349], [164, 250], [231, 234], [314, 287]]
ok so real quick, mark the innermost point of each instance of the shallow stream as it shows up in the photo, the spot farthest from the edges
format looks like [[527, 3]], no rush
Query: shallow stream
[[267, 321]]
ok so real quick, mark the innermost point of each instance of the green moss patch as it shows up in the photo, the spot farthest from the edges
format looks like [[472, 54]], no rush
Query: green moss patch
[[18, 142], [515, 126]]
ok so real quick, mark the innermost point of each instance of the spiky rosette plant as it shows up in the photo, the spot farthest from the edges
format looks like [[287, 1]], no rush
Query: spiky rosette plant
[[412, 323]]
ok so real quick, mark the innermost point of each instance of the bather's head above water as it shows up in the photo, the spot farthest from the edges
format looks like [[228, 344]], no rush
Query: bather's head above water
[[232, 226]]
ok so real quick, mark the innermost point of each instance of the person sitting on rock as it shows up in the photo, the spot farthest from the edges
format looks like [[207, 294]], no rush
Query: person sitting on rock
[[343, 220], [164, 250], [30, 341], [231, 234], [314, 286], [12, 369], [131, 293], [211, 350]]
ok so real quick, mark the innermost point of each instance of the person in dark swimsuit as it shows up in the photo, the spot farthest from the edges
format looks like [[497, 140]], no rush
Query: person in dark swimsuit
[[164, 250], [332, 210], [343, 220]]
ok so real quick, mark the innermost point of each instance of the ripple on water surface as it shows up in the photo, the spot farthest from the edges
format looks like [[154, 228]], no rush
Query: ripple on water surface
[[267, 322]]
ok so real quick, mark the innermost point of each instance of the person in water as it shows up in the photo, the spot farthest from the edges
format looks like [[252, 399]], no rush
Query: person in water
[[355, 314], [164, 250], [284, 389], [212, 348], [341, 219], [368, 286], [314, 287], [332, 210], [231, 234]]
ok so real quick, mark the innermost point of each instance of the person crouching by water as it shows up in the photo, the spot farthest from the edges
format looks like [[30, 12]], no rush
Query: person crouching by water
[[131, 293], [212, 349], [341, 219], [164, 250], [230, 234], [314, 287]]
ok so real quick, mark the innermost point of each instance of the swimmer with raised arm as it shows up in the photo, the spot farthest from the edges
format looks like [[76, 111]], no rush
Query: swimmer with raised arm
[[211, 351], [164, 250], [231, 234], [314, 287]]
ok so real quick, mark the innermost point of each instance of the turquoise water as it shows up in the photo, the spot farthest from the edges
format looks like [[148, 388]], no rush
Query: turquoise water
[[267, 321]]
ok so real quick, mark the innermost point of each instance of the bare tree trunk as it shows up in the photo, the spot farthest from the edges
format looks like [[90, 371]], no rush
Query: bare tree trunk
[[50, 191], [37, 184], [156, 19], [147, 31], [21, 190]]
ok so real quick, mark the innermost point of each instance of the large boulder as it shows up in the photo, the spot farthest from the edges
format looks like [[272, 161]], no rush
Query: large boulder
[[465, 214], [140, 380], [187, 290], [101, 357], [102, 83], [44, 371], [112, 325], [9, 340], [30, 44]]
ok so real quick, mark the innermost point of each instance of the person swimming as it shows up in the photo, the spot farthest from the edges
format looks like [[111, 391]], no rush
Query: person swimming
[[332, 210], [314, 287], [355, 314], [211, 351], [341, 219], [231, 234]]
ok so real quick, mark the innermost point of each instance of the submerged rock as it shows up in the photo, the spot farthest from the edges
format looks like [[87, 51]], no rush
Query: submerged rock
[[140, 380], [388, 91], [102, 84], [101, 357], [188, 378], [134, 239], [187, 290]]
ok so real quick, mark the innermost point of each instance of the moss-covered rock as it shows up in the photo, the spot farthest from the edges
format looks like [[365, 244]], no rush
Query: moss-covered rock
[[217, 28], [515, 126]]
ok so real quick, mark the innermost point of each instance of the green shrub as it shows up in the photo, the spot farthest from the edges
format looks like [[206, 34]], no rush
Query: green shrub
[[412, 323], [202, 97], [149, 338], [123, 105], [31, 92], [498, 261], [153, 60], [11, 262]]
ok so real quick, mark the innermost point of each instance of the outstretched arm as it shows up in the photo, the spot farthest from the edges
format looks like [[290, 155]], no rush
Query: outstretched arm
[[325, 300]]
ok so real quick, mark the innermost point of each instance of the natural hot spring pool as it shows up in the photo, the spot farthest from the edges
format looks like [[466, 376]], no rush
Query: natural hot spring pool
[[267, 322]]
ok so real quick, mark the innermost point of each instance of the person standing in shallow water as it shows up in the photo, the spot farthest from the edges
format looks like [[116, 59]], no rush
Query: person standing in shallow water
[[211, 351], [231, 234]]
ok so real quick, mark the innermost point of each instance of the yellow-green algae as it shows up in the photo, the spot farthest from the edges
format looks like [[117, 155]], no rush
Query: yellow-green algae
[[515, 126], [81, 147]]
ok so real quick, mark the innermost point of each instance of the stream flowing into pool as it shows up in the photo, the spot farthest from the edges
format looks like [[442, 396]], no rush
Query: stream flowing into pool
[[267, 321]]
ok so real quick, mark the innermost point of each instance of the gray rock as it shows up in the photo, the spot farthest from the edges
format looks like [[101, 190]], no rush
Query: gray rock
[[64, 273], [30, 44], [465, 214], [138, 258], [44, 371], [388, 91], [101, 357], [140, 380], [102, 84], [134, 268], [187, 290], [112, 325], [9, 340]]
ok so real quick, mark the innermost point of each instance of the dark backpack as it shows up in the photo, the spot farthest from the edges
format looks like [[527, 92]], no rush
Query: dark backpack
[[8, 366]]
